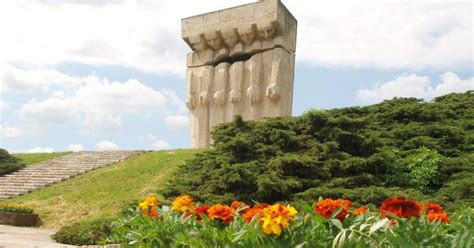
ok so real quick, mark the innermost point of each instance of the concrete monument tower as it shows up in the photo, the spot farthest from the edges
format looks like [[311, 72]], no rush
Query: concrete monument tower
[[242, 62]]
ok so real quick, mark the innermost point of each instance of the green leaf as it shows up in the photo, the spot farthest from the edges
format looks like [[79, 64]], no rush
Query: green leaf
[[337, 223], [379, 224]]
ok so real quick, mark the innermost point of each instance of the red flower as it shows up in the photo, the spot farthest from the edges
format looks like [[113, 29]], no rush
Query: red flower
[[201, 210], [400, 207], [328, 207], [250, 213]]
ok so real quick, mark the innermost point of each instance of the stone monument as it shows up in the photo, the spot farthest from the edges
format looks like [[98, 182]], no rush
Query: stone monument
[[242, 62]]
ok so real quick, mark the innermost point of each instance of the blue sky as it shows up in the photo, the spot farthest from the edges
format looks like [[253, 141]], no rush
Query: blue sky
[[115, 80]]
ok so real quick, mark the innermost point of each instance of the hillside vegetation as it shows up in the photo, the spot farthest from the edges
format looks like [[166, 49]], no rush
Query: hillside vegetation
[[365, 154], [33, 158], [103, 193], [9, 163]]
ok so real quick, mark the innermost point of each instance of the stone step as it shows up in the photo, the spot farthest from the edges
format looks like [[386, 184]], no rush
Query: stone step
[[35, 177]]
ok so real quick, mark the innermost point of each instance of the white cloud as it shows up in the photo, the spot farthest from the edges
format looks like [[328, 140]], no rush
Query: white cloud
[[151, 137], [384, 34], [52, 110], [75, 147], [450, 82], [4, 106], [146, 34], [415, 86], [160, 145], [138, 34], [14, 78], [101, 122], [99, 104], [41, 150], [106, 145], [11, 131], [176, 122]]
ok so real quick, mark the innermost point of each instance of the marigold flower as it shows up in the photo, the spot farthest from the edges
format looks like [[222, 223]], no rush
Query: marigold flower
[[183, 204], [222, 212], [153, 213], [201, 210], [434, 212], [328, 207], [359, 211], [433, 217], [238, 204], [148, 204], [251, 212], [276, 217], [432, 208], [400, 207]]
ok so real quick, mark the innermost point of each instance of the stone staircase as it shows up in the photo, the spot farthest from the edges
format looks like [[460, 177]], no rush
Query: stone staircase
[[40, 175]]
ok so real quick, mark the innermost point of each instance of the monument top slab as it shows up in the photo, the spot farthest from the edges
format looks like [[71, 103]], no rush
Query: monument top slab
[[239, 20]]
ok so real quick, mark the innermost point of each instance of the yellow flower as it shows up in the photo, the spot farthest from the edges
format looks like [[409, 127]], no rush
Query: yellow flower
[[183, 204], [276, 217], [148, 203]]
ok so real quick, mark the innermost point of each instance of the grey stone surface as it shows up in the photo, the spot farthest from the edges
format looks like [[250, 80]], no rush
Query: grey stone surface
[[27, 237], [40, 175], [242, 62]]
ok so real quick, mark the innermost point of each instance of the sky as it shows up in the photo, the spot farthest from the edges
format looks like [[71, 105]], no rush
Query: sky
[[103, 75]]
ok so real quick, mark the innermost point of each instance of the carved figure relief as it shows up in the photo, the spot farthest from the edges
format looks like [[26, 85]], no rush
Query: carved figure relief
[[240, 64]]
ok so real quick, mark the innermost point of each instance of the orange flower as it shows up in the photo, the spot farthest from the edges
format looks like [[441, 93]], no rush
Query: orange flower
[[400, 207], [443, 217], [153, 213], [328, 207], [183, 204], [250, 213], [432, 208], [201, 210], [219, 211], [434, 212], [148, 206], [276, 217], [237, 204], [359, 211]]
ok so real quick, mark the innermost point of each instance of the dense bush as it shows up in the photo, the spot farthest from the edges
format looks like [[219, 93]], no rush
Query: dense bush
[[9, 163], [404, 145], [84, 233]]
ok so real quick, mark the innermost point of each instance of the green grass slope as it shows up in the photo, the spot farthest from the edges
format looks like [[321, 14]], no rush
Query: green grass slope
[[33, 158], [103, 193]]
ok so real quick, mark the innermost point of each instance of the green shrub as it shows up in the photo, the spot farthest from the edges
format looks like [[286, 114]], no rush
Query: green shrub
[[424, 166], [13, 208], [9, 163], [84, 233], [402, 145]]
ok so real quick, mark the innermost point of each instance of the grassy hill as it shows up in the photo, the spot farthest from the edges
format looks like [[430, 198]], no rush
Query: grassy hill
[[33, 158], [104, 192]]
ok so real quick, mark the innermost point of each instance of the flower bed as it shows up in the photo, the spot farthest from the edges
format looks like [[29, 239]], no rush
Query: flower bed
[[17, 215], [339, 223]]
